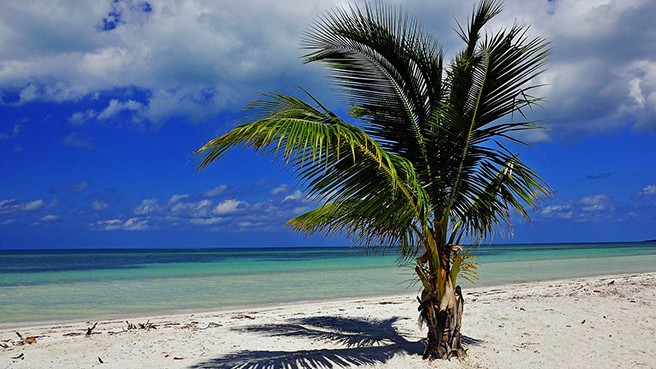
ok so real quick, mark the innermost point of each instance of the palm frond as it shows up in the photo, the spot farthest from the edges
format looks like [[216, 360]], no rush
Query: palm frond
[[493, 192], [513, 62], [337, 162], [389, 67], [486, 82], [462, 265]]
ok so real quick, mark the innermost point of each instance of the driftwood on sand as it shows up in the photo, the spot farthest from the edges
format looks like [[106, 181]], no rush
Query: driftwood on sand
[[90, 329], [31, 340]]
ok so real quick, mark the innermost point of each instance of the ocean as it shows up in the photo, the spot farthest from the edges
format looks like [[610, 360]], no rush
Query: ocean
[[54, 285]]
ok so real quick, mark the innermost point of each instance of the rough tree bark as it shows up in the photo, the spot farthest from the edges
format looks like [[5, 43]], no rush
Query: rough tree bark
[[444, 322]]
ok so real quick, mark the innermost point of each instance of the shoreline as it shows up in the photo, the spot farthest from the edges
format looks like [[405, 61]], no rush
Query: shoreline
[[202, 311], [164, 313], [139, 284], [578, 322]]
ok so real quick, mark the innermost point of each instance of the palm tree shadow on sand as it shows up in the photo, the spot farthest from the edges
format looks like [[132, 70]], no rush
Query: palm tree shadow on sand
[[365, 342]]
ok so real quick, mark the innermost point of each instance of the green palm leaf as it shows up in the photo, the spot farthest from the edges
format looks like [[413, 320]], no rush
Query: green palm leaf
[[389, 68], [331, 157]]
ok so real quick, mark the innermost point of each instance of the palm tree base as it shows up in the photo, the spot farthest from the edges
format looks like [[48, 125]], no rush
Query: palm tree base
[[444, 339]]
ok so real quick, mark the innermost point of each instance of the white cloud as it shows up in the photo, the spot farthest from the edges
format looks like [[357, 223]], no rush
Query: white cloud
[[647, 192], [195, 59], [136, 224], [558, 211], [595, 203], [178, 197], [586, 209], [110, 224], [590, 89], [115, 107], [82, 117], [246, 225], [283, 188], [207, 221], [228, 215], [177, 211], [294, 196], [32, 205], [99, 205], [228, 206], [132, 224], [49, 218], [216, 191], [191, 209], [13, 206], [147, 206], [636, 93]]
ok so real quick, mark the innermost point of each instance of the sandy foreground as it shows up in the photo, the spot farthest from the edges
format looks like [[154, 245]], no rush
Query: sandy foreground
[[599, 322]]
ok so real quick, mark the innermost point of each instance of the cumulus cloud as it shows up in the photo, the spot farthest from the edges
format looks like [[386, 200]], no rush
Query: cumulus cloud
[[147, 206], [27, 212], [123, 12], [283, 188], [207, 221], [216, 191], [99, 205], [182, 209], [227, 207], [593, 208], [49, 218], [115, 107], [294, 196], [205, 210], [249, 225], [195, 59], [590, 89], [132, 224], [178, 197], [13, 206], [647, 192], [595, 203], [558, 212], [81, 117], [191, 209]]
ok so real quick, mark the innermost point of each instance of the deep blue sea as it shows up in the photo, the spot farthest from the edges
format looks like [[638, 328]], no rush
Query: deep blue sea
[[47, 285]]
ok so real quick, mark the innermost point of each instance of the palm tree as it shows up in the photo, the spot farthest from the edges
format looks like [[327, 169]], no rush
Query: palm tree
[[423, 168]]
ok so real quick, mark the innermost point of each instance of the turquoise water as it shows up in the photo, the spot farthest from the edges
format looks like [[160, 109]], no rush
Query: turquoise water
[[98, 284]]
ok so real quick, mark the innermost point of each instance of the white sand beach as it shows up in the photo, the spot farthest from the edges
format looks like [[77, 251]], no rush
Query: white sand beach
[[597, 322]]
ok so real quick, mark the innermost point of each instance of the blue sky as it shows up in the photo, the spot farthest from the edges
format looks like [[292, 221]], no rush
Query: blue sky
[[102, 104]]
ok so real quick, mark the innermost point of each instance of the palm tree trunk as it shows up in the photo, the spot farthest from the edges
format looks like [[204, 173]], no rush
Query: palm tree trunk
[[444, 324], [441, 305]]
